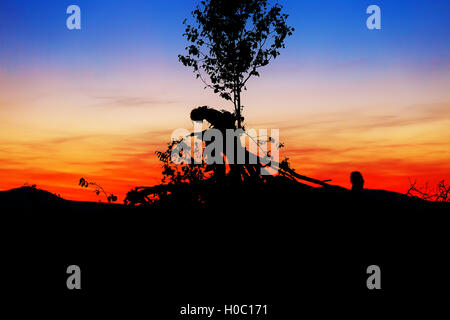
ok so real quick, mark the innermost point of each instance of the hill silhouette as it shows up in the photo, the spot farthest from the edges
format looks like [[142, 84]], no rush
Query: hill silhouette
[[28, 201], [317, 240], [31, 201]]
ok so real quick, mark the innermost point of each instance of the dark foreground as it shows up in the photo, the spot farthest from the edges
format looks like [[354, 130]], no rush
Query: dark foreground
[[294, 249]]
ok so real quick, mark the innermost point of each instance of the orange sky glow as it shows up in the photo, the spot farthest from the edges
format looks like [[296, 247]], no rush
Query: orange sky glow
[[99, 101], [57, 127]]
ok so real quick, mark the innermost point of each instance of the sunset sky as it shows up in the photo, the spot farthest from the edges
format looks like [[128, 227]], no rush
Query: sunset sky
[[98, 102]]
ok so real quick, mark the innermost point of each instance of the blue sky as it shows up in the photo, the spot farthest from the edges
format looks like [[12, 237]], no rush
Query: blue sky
[[34, 32]]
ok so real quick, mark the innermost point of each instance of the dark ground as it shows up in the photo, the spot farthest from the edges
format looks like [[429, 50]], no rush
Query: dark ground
[[296, 249]]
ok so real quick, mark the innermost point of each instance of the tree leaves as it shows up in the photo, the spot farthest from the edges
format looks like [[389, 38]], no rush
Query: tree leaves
[[180, 174], [232, 39], [98, 189], [83, 183]]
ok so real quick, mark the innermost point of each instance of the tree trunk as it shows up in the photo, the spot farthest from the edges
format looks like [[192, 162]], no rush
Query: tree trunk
[[239, 109], [237, 103]]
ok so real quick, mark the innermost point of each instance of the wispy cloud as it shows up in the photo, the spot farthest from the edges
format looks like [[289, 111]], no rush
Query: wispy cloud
[[130, 101], [66, 139]]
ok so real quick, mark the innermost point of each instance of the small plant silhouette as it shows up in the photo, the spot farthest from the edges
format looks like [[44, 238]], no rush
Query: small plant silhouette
[[98, 189], [33, 186], [179, 174]]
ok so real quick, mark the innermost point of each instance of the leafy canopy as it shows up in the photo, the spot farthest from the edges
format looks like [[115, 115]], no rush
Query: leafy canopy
[[232, 39]]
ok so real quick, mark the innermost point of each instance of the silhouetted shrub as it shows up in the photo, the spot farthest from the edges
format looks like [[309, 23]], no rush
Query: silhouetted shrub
[[98, 189], [440, 193]]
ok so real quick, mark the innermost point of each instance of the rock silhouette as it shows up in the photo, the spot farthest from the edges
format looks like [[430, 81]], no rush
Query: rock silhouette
[[357, 181]]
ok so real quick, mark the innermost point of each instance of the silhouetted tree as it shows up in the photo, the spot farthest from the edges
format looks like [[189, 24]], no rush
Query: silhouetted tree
[[232, 39]]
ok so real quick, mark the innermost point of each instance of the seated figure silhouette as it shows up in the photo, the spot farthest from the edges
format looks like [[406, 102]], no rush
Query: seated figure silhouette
[[357, 181], [220, 120], [223, 120]]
